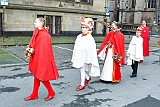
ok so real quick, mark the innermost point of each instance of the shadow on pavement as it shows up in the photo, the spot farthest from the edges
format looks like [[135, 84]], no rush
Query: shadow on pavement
[[145, 102]]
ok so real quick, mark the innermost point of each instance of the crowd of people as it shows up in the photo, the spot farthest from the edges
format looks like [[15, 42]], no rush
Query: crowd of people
[[85, 56]]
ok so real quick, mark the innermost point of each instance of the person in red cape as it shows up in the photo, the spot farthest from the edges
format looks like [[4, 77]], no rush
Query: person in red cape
[[112, 51], [145, 36], [41, 62], [158, 42]]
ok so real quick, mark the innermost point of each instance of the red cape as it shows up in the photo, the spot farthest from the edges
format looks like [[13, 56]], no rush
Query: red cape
[[145, 36], [117, 39], [41, 63], [158, 42]]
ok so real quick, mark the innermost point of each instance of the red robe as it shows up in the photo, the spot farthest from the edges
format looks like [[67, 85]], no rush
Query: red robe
[[41, 63], [117, 40], [145, 36], [158, 42]]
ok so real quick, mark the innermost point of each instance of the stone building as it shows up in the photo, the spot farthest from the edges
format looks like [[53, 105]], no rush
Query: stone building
[[62, 16], [130, 13], [134, 11]]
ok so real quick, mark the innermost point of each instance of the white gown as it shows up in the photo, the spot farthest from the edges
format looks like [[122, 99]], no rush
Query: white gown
[[85, 52], [135, 50], [107, 70]]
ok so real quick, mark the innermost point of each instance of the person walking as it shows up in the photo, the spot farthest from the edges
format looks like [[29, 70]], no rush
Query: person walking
[[145, 36], [84, 55], [112, 51], [158, 42], [41, 60], [135, 52]]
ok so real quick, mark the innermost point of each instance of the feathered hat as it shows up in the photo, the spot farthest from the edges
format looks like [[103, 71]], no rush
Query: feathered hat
[[139, 29], [88, 22]]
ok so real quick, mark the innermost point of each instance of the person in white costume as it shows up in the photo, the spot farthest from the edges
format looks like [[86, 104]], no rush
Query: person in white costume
[[84, 54], [135, 52]]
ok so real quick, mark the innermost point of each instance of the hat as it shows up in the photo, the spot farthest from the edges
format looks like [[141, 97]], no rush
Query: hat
[[87, 22], [139, 29]]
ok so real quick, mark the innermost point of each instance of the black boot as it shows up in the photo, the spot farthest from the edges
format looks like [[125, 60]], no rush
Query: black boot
[[134, 68], [133, 75]]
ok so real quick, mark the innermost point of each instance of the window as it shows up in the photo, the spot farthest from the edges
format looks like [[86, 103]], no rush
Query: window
[[87, 1], [151, 3], [70, 0], [57, 24], [133, 3], [40, 16], [49, 22]]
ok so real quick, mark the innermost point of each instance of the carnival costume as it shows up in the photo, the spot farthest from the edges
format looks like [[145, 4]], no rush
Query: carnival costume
[[113, 53], [135, 53], [41, 63], [84, 54], [145, 36]]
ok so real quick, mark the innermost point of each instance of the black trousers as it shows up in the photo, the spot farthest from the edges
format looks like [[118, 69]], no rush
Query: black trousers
[[134, 67]]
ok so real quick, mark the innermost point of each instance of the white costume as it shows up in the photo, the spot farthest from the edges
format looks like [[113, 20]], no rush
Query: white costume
[[85, 53], [107, 70], [135, 50]]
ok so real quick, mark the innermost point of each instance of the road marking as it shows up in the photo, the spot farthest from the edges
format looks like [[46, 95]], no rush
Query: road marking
[[13, 55], [67, 48], [62, 48]]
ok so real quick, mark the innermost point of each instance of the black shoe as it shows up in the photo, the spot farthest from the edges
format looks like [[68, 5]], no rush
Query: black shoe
[[133, 75]]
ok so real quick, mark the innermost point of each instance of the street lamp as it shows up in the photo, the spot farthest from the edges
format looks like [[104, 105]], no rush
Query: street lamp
[[122, 12], [159, 28], [106, 17], [123, 9], [4, 3], [3, 22]]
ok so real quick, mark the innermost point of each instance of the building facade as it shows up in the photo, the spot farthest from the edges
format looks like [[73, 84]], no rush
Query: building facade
[[130, 13], [62, 16]]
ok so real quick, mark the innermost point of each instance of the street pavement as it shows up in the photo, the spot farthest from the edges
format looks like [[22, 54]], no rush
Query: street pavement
[[16, 82]]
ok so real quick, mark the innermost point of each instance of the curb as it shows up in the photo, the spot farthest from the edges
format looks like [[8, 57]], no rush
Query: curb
[[13, 65]]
